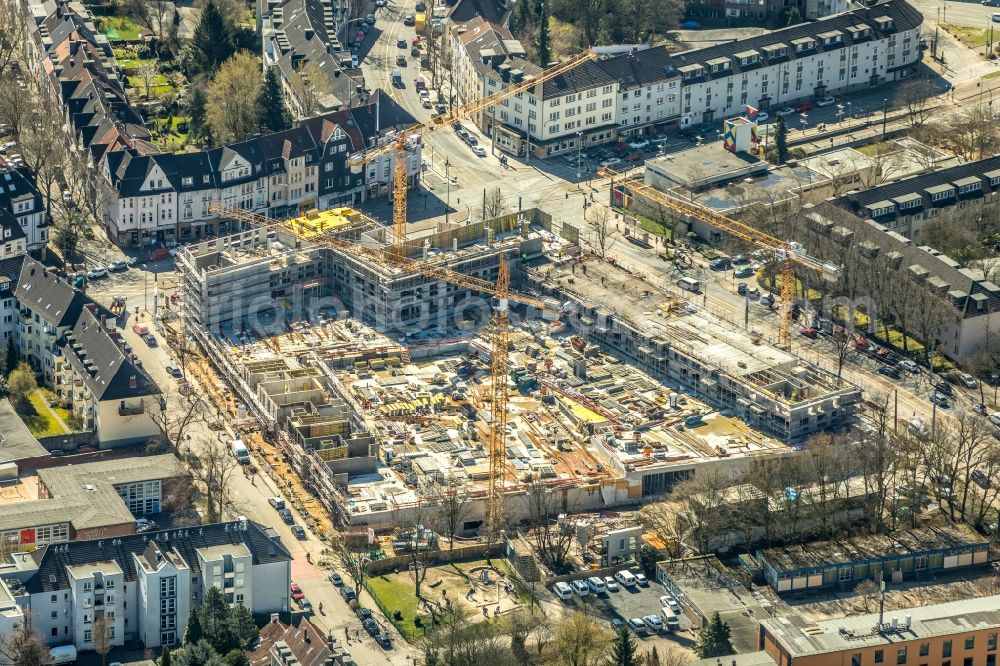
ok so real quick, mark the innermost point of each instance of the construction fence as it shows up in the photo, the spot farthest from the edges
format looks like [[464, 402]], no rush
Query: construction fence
[[431, 558]]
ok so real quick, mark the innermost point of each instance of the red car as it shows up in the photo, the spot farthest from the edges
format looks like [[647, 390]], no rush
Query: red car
[[159, 254], [803, 107], [297, 593], [809, 332]]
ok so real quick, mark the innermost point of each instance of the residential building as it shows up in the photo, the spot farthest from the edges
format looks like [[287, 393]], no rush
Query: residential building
[[904, 554], [86, 501], [11, 615], [956, 632], [167, 198], [833, 233], [282, 644], [146, 584], [300, 39], [628, 94], [903, 206], [750, 12], [23, 224], [74, 346]]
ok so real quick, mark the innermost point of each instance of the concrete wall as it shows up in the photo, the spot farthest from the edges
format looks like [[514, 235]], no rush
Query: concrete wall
[[271, 587], [116, 430]]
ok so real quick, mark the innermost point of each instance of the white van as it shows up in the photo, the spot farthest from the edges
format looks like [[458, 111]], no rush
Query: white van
[[580, 587], [240, 451], [63, 654], [596, 585], [690, 284], [670, 619], [625, 578], [563, 591]]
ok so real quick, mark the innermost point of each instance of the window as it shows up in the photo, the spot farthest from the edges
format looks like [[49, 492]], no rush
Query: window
[[967, 661], [844, 574], [856, 659], [55, 615], [991, 642], [901, 655], [879, 656], [55, 631], [87, 635], [925, 649], [970, 643], [946, 649], [87, 586]]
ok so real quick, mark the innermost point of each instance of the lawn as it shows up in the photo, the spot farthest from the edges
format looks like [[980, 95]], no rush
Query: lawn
[[38, 415], [395, 593], [119, 28], [159, 85], [992, 75], [876, 149], [971, 37]]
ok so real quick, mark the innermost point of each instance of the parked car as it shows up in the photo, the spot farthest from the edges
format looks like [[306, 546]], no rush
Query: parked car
[[409, 19], [803, 107], [149, 339], [144, 525], [787, 111], [890, 371], [479, 151], [159, 254], [384, 641], [980, 478], [641, 579], [348, 594], [298, 532], [336, 579], [968, 380], [744, 272], [401, 44], [616, 625], [580, 587], [118, 266], [654, 623], [610, 162], [909, 365], [610, 584], [97, 273], [639, 145], [363, 613], [370, 625], [276, 502], [286, 516], [669, 601], [174, 371], [826, 101], [297, 593], [762, 117], [810, 332], [720, 264], [940, 400], [945, 388], [638, 625]]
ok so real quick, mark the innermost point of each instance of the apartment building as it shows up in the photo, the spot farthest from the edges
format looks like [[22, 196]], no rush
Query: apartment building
[[146, 584], [957, 632], [905, 205], [300, 39], [167, 198], [973, 301], [73, 345], [750, 12], [23, 224], [11, 615], [625, 95]]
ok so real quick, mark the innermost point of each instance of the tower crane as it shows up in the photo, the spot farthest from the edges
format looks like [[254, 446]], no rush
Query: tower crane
[[789, 252], [398, 146]]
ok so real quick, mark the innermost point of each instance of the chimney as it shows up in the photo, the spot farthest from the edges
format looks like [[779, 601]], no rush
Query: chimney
[[274, 618], [132, 383]]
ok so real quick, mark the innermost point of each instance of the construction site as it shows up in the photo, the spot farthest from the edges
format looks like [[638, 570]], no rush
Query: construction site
[[377, 379]]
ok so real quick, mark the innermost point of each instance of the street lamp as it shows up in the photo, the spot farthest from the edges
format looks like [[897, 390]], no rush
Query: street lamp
[[145, 284], [579, 155], [447, 178], [803, 118], [840, 113], [885, 110]]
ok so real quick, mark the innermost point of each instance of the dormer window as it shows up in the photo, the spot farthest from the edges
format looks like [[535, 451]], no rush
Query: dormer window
[[187, 180]]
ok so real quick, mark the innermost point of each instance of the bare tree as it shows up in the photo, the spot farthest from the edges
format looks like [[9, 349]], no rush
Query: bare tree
[[519, 625], [353, 562], [552, 539], [930, 314], [420, 541], [579, 641], [916, 95], [309, 86], [177, 414], [13, 34], [888, 160], [602, 237], [215, 468], [974, 133], [147, 74], [451, 510], [16, 103], [707, 519], [102, 632], [494, 205], [24, 647], [868, 590]]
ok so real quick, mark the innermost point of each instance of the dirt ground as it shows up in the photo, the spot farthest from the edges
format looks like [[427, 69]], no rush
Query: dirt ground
[[446, 582]]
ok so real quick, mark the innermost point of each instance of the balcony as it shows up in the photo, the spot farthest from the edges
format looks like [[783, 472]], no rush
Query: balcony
[[130, 410]]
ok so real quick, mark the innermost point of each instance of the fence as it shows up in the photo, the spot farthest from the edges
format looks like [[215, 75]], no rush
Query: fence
[[459, 553]]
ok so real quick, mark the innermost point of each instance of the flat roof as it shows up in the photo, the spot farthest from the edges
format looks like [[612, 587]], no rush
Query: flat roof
[[16, 441], [705, 164], [818, 554], [800, 636]]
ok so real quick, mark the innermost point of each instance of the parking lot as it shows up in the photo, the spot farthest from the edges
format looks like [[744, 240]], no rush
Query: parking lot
[[635, 602]]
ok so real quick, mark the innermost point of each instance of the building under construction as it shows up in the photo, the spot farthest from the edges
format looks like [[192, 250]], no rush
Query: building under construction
[[381, 395]]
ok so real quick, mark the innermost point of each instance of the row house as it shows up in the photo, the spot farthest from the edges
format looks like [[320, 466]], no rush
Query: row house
[[167, 198], [756, 12], [624, 95], [23, 224], [146, 585]]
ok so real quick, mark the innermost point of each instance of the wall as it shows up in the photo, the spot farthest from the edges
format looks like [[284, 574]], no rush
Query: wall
[[115, 430], [271, 587]]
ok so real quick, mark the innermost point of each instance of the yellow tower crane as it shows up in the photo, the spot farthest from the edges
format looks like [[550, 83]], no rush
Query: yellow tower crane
[[789, 252], [398, 146]]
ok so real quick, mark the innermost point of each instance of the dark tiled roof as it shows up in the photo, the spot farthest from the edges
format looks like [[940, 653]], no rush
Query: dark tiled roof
[[307, 643], [16, 441], [53, 560], [43, 292], [17, 185], [856, 201], [116, 376], [494, 11]]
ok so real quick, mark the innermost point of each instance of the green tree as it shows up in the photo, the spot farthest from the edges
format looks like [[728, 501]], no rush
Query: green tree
[[714, 640], [232, 98], [215, 623], [197, 654], [212, 43], [543, 38], [165, 657], [272, 115], [193, 633], [653, 658], [20, 384], [623, 650], [242, 626], [781, 140], [197, 129], [236, 657], [10, 358]]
